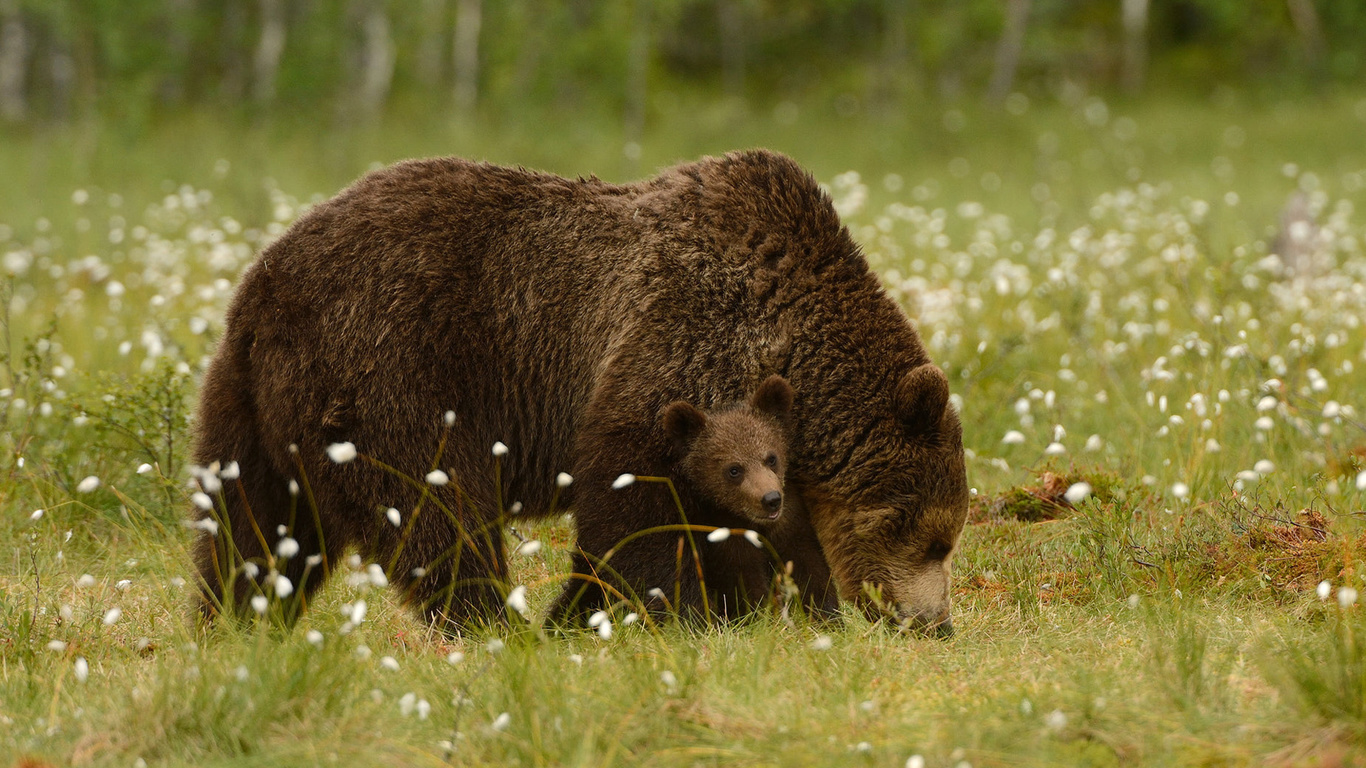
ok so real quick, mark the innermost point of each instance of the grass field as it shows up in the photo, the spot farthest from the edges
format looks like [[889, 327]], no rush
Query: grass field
[[1166, 430]]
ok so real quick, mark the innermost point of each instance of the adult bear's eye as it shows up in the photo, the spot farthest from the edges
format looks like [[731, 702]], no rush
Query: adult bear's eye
[[734, 471], [772, 460]]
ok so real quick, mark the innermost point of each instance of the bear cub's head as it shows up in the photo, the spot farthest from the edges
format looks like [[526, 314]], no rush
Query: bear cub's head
[[737, 456]]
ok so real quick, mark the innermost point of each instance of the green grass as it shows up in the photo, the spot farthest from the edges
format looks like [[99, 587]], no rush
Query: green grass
[[1169, 618]]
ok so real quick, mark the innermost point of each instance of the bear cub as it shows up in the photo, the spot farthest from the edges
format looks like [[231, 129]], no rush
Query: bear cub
[[735, 457]]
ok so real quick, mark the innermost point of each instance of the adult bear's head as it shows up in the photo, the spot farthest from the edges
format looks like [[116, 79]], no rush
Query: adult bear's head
[[876, 451]]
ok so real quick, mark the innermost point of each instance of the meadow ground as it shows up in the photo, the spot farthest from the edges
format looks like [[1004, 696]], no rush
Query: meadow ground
[[1166, 429]]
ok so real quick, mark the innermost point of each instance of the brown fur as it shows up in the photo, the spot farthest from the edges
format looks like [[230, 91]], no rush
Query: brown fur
[[559, 317]]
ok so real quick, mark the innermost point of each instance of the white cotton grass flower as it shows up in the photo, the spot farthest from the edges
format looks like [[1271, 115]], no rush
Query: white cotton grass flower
[[576, 659], [1181, 490], [623, 480], [915, 761], [341, 453], [89, 484], [449, 418], [1055, 720], [597, 618], [357, 613], [528, 548], [259, 603], [406, 703], [1332, 409], [394, 517], [58, 646], [283, 586], [314, 638], [112, 615], [517, 600], [1361, 481], [82, 669], [1347, 597], [201, 500], [1324, 590], [378, 578], [1265, 424], [122, 585], [1264, 467], [1212, 446], [499, 449], [630, 619], [495, 646], [1267, 403], [1094, 443], [753, 538], [389, 662], [145, 468], [1077, 492], [362, 652], [564, 480], [501, 722], [438, 478], [287, 547], [86, 580], [424, 709], [822, 643], [1054, 449], [719, 535], [293, 487], [36, 515], [1013, 437], [455, 657], [669, 679], [605, 630], [232, 471]]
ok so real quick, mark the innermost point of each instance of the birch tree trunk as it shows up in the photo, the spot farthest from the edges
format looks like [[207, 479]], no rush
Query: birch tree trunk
[[637, 75], [1008, 51], [14, 51], [465, 48], [377, 60], [1134, 15], [265, 64], [1306, 20], [731, 20]]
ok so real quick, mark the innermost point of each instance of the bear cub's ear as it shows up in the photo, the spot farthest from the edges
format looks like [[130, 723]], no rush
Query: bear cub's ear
[[682, 422], [921, 397], [773, 398]]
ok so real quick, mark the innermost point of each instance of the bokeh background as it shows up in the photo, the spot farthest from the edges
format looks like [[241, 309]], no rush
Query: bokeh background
[[128, 94]]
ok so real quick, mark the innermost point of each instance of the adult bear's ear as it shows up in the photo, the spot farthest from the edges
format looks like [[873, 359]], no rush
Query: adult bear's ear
[[682, 422], [773, 398], [921, 397]]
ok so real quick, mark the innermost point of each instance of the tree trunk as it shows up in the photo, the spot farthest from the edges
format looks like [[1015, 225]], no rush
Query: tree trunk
[[637, 76], [1134, 70], [431, 51], [895, 80], [14, 51], [377, 60], [180, 16], [731, 20], [468, 18], [265, 65], [1008, 51], [1306, 20]]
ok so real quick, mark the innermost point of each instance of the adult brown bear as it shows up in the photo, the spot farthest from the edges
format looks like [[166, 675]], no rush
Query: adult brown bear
[[559, 317]]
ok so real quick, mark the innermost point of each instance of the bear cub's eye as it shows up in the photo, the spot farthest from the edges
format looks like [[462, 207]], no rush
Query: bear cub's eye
[[938, 551], [772, 460], [734, 471]]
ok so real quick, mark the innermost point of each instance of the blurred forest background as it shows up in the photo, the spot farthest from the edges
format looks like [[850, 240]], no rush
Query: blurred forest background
[[126, 94], [136, 60]]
